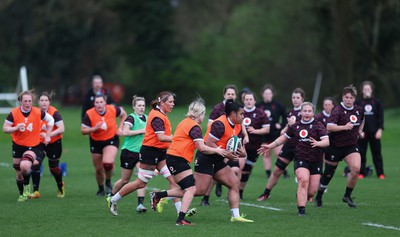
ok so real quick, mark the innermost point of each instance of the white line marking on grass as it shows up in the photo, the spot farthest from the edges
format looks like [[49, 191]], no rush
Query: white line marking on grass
[[152, 188], [253, 205], [381, 226]]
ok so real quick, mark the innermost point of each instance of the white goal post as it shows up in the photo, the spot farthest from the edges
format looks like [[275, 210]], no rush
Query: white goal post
[[12, 98]]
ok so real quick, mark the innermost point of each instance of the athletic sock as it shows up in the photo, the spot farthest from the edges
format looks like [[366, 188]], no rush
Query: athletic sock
[[348, 192], [235, 212], [268, 173], [206, 198], [178, 206], [58, 178], [181, 216], [101, 187], [321, 191], [35, 180], [140, 200], [20, 185], [267, 191], [116, 198], [162, 194], [26, 179], [302, 210], [108, 182]]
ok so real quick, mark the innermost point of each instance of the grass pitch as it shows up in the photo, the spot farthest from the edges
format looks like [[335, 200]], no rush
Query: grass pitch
[[81, 213]]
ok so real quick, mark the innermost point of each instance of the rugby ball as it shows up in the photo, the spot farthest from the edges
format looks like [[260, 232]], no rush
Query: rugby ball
[[234, 143]]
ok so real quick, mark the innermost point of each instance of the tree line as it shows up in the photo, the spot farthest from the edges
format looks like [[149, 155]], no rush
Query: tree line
[[197, 47]]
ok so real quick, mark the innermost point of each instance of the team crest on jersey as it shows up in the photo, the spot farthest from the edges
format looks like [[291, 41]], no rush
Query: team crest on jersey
[[303, 133], [368, 108], [247, 121], [268, 113], [353, 118]]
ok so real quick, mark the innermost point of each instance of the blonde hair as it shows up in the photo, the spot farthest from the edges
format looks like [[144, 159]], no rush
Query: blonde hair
[[196, 108], [136, 98], [307, 103]]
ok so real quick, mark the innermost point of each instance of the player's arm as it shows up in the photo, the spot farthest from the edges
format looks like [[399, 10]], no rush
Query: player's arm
[[261, 131], [159, 128], [202, 147], [50, 123], [324, 142], [59, 123], [86, 127], [279, 141], [332, 127], [122, 117]]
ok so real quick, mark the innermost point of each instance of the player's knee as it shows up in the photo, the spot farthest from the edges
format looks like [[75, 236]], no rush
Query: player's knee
[[17, 167], [145, 175], [28, 157], [55, 170], [54, 163], [54, 167], [187, 182], [355, 169], [280, 164], [191, 190], [165, 171], [108, 166], [303, 181]]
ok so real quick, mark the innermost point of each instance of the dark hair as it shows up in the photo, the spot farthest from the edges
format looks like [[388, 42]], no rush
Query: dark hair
[[350, 89], [367, 83], [267, 86], [230, 86], [231, 106], [300, 91], [47, 94], [162, 96], [329, 98], [98, 95], [248, 93]]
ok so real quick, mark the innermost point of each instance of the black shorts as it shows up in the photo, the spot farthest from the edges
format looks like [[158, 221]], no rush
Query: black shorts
[[252, 156], [287, 152], [128, 159], [18, 151], [232, 163], [336, 154], [53, 150], [315, 167], [98, 146], [208, 164], [151, 155], [177, 164]]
